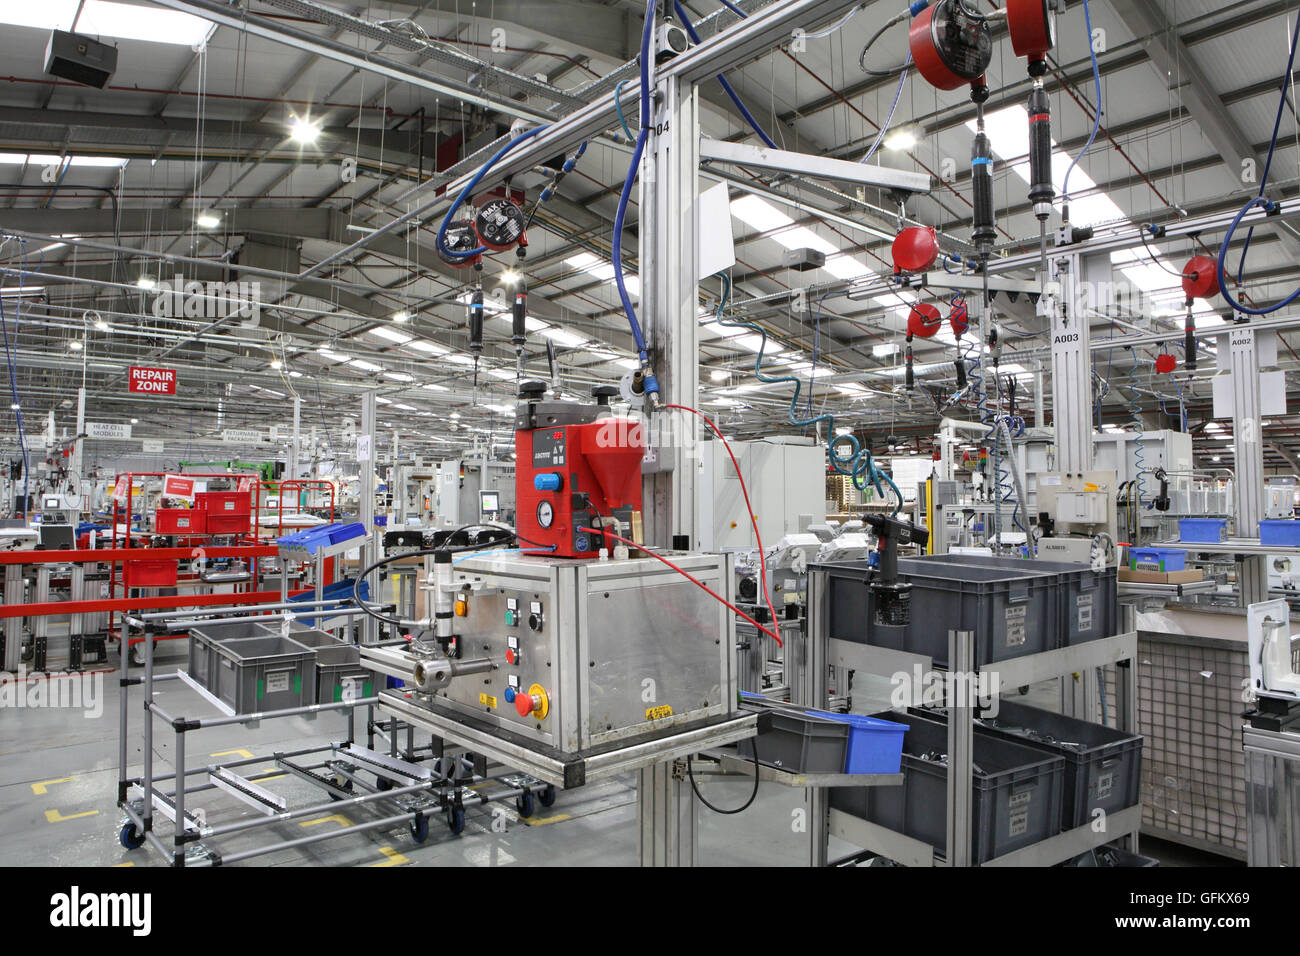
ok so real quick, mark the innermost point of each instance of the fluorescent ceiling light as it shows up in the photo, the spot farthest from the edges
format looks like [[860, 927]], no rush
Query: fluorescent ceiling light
[[102, 325], [145, 282], [332, 356], [509, 277], [504, 374], [754, 343], [207, 220], [405, 408], [402, 316], [627, 363], [392, 335], [719, 375], [563, 337], [604, 271], [420, 345], [51, 159], [399, 376], [365, 366], [75, 345], [433, 387], [380, 400], [884, 351]]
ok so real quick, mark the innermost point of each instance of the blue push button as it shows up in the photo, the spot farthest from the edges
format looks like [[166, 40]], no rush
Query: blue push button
[[547, 481], [510, 695]]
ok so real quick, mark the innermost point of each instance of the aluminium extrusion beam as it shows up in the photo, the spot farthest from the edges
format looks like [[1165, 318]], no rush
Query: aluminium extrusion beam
[[815, 167], [734, 46]]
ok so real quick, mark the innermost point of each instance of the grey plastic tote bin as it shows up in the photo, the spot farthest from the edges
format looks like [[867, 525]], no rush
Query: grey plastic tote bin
[[1016, 800], [1088, 600], [340, 676], [257, 674], [795, 741], [205, 638], [1103, 766]]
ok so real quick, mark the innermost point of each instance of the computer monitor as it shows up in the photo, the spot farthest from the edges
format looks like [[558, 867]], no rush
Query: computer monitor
[[58, 537], [489, 502], [53, 503]]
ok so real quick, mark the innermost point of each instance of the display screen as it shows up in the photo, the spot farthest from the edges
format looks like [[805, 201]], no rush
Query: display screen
[[489, 501]]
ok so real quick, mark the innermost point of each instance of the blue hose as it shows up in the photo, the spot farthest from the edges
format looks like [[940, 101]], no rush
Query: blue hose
[[616, 254], [735, 97], [1259, 200], [859, 464], [902, 78], [1096, 120]]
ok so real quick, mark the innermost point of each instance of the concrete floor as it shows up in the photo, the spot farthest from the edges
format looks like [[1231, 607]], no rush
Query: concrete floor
[[58, 782]]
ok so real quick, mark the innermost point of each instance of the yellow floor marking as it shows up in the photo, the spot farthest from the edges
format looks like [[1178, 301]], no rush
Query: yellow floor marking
[[233, 753], [116, 865], [542, 821], [394, 858], [338, 818], [40, 788], [54, 816]]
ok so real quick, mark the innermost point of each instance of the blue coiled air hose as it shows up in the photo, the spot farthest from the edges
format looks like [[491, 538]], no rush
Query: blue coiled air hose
[[858, 464]]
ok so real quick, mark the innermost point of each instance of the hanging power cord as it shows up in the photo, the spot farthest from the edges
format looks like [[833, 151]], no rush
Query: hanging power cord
[[735, 97], [690, 775], [758, 535], [1260, 199], [688, 576], [1096, 119], [859, 464]]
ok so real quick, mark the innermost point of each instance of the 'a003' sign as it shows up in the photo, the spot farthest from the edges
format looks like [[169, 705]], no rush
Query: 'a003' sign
[[154, 381]]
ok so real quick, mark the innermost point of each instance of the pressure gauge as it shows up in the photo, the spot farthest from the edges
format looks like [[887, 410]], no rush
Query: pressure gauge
[[545, 514]]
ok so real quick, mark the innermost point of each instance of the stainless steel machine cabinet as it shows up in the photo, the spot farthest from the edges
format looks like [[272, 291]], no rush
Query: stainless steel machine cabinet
[[591, 653]]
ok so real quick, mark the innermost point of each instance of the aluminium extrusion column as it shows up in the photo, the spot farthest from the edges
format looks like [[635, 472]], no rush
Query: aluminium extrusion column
[[1248, 449], [668, 231], [366, 476], [1071, 371], [961, 746]]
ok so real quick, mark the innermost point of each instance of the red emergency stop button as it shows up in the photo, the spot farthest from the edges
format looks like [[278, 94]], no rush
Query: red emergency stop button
[[512, 656], [534, 703], [525, 704]]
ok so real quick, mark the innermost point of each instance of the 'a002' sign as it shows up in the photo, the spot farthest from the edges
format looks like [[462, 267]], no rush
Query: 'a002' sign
[[155, 381]]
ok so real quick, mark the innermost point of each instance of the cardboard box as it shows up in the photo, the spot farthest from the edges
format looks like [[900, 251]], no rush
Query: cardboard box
[[1189, 576]]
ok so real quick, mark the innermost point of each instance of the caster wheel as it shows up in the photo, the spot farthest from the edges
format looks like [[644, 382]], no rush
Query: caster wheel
[[383, 783], [420, 828], [456, 820], [131, 837], [547, 796], [525, 805]]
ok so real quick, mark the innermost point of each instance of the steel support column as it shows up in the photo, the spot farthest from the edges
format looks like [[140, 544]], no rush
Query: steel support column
[[1071, 370], [1248, 447]]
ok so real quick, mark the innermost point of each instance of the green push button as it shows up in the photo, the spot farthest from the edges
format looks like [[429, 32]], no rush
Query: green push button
[[512, 618]]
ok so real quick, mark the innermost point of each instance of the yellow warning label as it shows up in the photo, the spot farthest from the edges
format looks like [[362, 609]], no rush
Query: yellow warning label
[[656, 713], [487, 700]]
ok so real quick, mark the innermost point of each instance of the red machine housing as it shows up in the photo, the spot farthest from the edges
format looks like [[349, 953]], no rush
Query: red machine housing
[[569, 475]]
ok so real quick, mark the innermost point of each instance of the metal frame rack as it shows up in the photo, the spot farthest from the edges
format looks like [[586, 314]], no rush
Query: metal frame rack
[[406, 787], [1272, 795], [1083, 659]]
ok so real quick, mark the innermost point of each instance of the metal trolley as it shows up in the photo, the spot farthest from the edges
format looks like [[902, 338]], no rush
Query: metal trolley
[[410, 786]]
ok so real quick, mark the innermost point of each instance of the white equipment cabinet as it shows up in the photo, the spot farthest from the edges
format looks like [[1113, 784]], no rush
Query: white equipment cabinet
[[786, 477]]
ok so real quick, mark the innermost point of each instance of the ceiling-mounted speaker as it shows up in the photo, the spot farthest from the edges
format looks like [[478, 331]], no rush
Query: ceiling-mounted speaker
[[80, 59]]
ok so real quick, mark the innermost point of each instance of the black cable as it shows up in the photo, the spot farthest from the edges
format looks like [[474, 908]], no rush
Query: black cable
[[1156, 259], [423, 552], [690, 774], [862, 57]]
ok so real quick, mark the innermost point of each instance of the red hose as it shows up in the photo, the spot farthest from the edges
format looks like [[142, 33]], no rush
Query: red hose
[[762, 557], [686, 574]]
